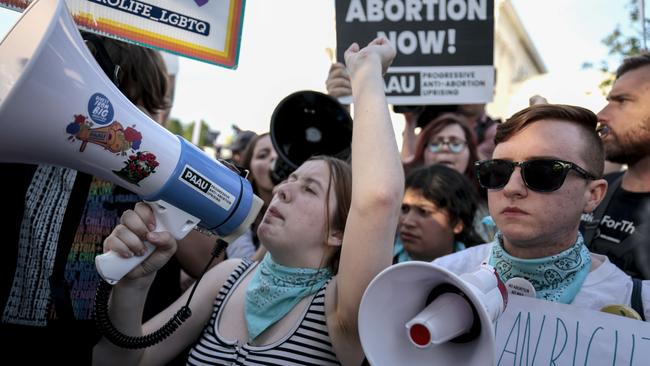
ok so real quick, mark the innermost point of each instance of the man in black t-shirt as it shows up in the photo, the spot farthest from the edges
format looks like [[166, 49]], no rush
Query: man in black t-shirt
[[620, 229]]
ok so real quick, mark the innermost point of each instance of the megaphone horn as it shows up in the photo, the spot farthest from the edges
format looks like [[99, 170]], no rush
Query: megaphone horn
[[308, 123], [436, 316], [58, 107]]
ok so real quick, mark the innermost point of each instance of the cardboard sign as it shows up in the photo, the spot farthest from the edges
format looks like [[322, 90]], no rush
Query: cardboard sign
[[206, 30], [444, 48], [537, 332]]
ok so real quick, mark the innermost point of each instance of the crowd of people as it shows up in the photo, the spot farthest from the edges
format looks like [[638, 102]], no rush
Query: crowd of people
[[529, 196]]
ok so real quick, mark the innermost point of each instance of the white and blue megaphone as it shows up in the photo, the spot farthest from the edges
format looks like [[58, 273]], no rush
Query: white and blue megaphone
[[58, 107], [417, 313]]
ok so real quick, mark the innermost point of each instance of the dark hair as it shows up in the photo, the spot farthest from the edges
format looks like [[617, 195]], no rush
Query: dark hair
[[437, 125], [632, 63], [430, 112], [449, 190], [242, 141], [143, 75], [247, 157], [341, 182], [586, 120]]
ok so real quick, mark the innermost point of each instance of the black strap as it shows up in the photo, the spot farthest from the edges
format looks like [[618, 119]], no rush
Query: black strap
[[637, 300], [591, 228]]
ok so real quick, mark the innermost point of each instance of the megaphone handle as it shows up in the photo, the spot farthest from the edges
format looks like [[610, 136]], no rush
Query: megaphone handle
[[112, 267]]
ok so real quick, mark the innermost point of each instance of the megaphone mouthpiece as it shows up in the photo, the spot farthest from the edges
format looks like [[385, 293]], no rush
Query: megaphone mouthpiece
[[445, 318]]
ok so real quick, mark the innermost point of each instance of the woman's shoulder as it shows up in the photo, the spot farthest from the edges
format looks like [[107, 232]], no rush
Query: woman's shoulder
[[222, 271]]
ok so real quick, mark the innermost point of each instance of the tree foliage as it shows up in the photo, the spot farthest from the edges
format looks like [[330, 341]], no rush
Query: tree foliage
[[623, 42], [206, 137]]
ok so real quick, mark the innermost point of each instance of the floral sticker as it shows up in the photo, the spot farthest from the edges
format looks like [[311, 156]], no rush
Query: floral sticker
[[137, 167]]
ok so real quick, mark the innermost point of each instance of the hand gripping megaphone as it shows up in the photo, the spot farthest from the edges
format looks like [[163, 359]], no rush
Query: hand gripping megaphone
[[308, 123], [417, 313], [58, 107]]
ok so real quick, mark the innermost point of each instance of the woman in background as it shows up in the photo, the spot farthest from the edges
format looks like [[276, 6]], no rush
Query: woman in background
[[438, 209], [258, 158], [448, 140]]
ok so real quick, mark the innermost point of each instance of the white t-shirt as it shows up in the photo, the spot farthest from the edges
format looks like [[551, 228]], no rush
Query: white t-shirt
[[605, 285]]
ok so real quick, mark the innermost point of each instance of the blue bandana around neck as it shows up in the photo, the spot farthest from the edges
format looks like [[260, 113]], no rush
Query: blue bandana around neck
[[275, 289], [557, 278], [401, 255]]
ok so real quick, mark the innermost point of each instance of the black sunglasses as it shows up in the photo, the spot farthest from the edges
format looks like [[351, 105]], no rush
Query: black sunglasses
[[540, 175]]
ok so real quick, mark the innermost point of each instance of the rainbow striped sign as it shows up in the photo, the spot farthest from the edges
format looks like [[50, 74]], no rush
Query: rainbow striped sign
[[206, 30]]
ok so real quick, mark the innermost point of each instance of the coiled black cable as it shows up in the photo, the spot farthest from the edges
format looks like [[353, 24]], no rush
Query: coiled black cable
[[108, 330]]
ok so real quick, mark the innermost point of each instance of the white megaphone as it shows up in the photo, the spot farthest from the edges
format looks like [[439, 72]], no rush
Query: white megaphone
[[417, 313], [58, 107]]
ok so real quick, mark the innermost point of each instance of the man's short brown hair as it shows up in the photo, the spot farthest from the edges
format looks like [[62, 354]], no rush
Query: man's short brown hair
[[632, 63], [593, 152]]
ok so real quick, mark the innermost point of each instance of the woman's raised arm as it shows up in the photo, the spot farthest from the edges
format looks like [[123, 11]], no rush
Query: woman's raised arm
[[377, 185]]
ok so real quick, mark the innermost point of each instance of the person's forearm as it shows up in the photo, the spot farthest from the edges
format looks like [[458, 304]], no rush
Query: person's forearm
[[126, 305], [375, 157]]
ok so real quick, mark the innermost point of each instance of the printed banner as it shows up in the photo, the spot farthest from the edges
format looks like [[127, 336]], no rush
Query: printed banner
[[444, 48], [536, 332], [206, 30]]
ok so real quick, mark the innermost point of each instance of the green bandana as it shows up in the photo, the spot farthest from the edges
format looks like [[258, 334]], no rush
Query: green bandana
[[556, 278], [275, 289]]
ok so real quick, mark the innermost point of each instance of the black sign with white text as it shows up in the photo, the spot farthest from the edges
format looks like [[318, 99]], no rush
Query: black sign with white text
[[444, 47]]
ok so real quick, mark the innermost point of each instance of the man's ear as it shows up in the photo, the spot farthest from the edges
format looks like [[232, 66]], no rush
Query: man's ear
[[458, 228], [594, 194], [335, 238]]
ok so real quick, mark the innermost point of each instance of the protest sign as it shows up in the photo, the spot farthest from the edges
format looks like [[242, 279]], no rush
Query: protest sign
[[537, 332], [444, 47], [206, 30]]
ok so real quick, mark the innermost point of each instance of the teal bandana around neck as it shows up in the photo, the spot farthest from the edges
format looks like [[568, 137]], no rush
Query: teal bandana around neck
[[557, 278], [401, 255], [275, 289]]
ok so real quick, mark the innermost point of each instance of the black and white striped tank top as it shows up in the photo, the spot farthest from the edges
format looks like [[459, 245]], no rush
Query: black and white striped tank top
[[308, 344]]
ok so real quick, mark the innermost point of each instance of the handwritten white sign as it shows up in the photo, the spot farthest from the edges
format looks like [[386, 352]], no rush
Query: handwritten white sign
[[535, 332]]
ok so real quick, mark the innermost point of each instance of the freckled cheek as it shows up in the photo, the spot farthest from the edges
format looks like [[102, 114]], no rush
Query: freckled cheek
[[556, 210], [312, 216], [495, 203]]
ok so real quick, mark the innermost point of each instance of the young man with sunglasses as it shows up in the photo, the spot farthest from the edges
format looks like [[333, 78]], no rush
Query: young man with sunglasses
[[619, 228], [545, 173]]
